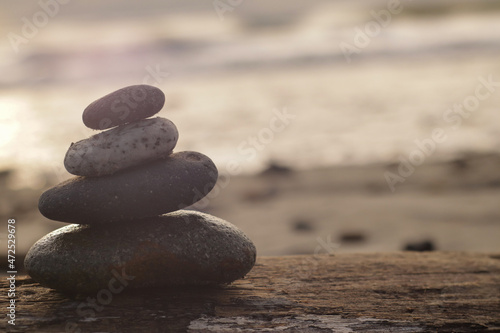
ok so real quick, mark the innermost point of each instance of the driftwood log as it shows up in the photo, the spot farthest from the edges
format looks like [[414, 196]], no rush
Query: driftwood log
[[396, 292]]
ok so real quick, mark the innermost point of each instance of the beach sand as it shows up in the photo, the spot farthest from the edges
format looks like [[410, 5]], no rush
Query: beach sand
[[453, 204]]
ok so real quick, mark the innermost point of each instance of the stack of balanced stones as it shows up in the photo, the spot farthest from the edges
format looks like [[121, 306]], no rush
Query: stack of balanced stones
[[125, 202]]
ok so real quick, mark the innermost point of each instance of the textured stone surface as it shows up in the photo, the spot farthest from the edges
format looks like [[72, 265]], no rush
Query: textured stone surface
[[124, 106], [152, 189], [122, 147], [180, 248]]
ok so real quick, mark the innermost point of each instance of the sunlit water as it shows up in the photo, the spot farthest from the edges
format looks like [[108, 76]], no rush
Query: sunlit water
[[226, 81]]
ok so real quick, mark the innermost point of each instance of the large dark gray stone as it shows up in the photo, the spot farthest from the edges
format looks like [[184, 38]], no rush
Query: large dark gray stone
[[180, 248], [152, 189], [123, 106]]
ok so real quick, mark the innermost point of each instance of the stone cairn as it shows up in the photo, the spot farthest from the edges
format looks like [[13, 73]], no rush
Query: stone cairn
[[125, 202]]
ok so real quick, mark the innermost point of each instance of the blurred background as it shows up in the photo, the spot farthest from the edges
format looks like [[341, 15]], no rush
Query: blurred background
[[356, 86]]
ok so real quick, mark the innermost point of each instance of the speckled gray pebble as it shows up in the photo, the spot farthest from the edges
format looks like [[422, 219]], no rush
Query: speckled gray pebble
[[122, 147], [124, 106], [180, 248], [151, 189]]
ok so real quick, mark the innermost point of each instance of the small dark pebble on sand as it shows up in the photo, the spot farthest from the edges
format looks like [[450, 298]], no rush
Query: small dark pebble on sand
[[276, 169], [302, 225], [422, 246], [460, 164], [352, 237]]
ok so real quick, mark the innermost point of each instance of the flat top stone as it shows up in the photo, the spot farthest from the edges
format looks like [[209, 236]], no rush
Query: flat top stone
[[123, 106]]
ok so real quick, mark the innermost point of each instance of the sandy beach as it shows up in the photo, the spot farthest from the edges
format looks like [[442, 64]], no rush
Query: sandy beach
[[351, 209]]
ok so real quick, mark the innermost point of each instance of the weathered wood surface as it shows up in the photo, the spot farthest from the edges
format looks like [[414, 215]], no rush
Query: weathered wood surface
[[397, 292]]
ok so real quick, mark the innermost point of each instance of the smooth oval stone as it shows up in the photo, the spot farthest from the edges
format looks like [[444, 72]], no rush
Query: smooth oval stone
[[122, 147], [124, 106], [152, 189], [180, 248]]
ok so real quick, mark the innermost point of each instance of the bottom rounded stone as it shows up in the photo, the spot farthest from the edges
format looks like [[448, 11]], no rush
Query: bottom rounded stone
[[179, 248]]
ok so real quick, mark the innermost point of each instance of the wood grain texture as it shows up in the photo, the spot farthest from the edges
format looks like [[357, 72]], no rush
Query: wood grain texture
[[394, 292]]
